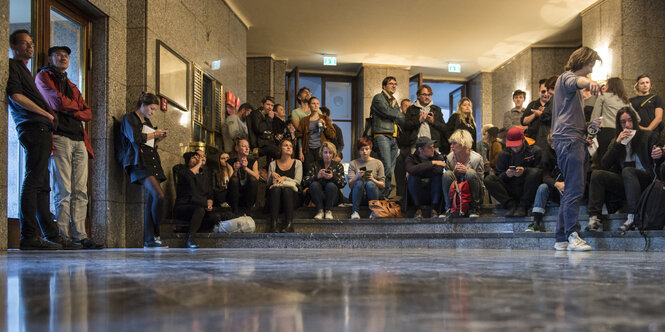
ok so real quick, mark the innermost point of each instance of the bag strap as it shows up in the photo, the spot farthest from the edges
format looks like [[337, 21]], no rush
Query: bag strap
[[646, 101]]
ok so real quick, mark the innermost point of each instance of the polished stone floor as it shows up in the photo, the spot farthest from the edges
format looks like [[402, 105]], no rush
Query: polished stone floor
[[332, 290]]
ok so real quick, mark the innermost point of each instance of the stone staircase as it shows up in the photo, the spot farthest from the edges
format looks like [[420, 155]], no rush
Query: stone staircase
[[491, 231]]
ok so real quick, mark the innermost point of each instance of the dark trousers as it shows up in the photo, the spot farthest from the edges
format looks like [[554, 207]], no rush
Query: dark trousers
[[634, 182], [284, 198], [311, 156], [199, 218], [425, 191], [271, 151], [516, 190], [323, 196], [400, 171], [34, 212], [220, 196], [605, 188], [242, 196]]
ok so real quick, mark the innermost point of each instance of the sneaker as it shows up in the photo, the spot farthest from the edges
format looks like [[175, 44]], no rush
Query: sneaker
[[155, 244], [37, 243], [355, 215], [532, 228], [418, 215], [319, 215], [576, 243], [90, 244], [474, 212], [434, 214], [520, 212], [628, 225], [328, 215], [67, 243], [561, 245], [594, 224]]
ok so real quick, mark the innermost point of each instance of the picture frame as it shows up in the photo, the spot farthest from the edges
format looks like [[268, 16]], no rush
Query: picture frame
[[173, 76]]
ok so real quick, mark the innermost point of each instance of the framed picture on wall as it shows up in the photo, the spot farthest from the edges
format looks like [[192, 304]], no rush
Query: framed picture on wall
[[172, 76]]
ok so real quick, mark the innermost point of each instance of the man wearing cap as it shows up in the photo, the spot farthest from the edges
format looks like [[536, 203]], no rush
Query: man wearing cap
[[425, 168], [518, 175], [34, 122], [71, 146]]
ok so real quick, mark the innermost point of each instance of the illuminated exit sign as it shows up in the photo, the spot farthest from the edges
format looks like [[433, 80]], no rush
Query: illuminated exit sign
[[454, 68], [330, 60]]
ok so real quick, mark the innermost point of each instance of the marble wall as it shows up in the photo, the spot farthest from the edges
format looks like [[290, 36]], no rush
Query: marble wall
[[371, 80], [266, 77]]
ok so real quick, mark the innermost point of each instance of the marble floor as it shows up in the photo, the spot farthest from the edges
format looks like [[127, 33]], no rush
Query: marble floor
[[331, 290]]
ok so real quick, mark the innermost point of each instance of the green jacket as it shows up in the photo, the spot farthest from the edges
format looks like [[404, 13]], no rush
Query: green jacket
[[385, 116]]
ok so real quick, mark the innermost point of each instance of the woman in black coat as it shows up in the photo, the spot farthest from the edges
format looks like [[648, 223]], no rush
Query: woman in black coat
[[141, 161]]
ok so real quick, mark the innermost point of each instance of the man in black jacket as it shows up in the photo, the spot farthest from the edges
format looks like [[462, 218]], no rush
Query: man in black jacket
[[627, 168], [518, 174], [259, 124], [424, 119], [425, 169]]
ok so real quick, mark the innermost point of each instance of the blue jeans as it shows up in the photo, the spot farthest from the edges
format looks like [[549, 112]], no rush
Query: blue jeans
[[323, 197], [363, 192], [388, 152], [543, 195], [573, 161], [425, 191]]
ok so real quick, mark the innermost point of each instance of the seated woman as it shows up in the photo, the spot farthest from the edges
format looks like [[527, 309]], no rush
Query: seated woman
[[325, 179], [494, 148], [244, 180], [313, 130], [464, 164], [194, 198], [220, 180], [627, 169], [141, 161], [284, 177], [366, 176]]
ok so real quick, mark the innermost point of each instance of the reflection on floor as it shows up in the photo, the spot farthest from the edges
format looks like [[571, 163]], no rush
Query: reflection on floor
[[331, 290]]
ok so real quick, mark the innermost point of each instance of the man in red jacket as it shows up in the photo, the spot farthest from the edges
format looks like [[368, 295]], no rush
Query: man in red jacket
[[71, 146]]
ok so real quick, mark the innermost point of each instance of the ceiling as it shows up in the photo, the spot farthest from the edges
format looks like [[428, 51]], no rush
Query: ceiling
[[423, 35]]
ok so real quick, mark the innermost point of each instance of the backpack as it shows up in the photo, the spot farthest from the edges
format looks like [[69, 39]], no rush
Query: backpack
[[461, 198], [118, 140], [651, 208]]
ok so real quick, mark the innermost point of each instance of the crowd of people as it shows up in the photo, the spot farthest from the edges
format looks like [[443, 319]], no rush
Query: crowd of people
[[577, 137]]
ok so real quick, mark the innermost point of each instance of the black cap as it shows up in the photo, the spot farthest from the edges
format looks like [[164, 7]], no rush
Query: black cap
[[424, 141], [187, 156], [494, 131], [58, 48]]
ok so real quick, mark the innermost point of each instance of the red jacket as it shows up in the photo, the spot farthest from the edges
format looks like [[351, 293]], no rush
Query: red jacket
[[49, 87]]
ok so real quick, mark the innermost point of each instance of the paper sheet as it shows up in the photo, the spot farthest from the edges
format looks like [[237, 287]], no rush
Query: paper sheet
[[148, 130]]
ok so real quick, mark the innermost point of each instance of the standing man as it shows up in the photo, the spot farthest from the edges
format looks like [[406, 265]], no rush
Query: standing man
[[387, 115], [71, 146], [512, 118], [235, 126], [34, 123], [404, 145], [569, 138], [424, 119]]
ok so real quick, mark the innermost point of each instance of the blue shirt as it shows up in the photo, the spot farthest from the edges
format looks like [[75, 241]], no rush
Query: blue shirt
[[568, 112]]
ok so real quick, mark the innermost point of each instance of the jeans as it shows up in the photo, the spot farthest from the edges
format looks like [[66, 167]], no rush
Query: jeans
[[475, 186], [516, 189], [544, 194], [425, 191], [69, 171], [34, 209], [388, 152], [605, 188], [573, 160], [363, 192], [323, 196]]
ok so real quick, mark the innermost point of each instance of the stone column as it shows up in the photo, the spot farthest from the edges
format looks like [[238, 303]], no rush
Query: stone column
[[4, 65], [266, 77]]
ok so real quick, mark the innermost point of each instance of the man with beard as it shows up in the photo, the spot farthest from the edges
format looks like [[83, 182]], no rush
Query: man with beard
[[235, 125]]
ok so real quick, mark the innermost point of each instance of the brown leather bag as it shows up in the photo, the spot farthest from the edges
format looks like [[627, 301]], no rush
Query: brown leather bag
[[385, 209]]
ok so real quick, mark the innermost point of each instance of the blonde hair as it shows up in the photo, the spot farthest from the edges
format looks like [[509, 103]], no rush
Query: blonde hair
[[468, 118], [485, 127], [582, 57], [462, 137], [330, 147]]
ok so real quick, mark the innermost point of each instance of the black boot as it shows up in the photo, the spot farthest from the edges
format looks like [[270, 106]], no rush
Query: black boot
[[287, 227], [191, 244], [273, 228], [538, 221]]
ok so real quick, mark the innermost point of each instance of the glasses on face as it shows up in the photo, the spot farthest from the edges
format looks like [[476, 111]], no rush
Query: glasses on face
[[426, 94], [392, 83], [62, 55], [543, 91]]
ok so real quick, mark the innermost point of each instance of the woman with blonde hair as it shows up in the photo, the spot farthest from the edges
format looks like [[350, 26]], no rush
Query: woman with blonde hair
[[649, 107], [463, 164], [463, 119], [325, 179]]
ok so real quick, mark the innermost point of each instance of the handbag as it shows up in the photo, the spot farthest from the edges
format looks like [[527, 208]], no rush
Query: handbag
[[369, 130], [382, 208]]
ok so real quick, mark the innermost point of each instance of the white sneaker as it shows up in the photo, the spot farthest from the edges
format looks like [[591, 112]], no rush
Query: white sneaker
[[628, 224], [328, 215], [355, 215], [561, 245], [319, 215], [576, 243]]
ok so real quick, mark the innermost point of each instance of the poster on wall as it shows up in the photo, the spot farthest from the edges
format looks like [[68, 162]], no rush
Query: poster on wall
[[172, 76]]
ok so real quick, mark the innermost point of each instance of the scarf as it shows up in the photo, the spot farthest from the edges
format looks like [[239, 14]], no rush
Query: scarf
[[65, 88]]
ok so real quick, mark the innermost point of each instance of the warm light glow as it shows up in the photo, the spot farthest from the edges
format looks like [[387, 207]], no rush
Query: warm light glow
[[602, 70], [185, 118]]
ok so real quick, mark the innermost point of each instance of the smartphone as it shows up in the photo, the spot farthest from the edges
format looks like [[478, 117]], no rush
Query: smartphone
[[329, 171], [512, 168], [363, 168]]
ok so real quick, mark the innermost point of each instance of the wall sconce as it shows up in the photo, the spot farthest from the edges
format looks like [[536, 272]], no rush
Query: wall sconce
[[602, 70]]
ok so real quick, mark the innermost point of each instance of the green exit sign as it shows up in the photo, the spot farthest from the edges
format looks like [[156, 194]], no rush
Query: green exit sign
[[454, 68], [330, 61]]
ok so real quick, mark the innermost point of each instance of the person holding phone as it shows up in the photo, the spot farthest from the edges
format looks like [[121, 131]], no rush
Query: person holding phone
[[517, 174], [366, 176], [627, 168], [325, 179], [425, 168]]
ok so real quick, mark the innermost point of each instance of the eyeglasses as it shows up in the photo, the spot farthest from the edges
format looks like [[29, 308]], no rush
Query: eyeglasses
[[426, 94], [392, 83], [543, 91]]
